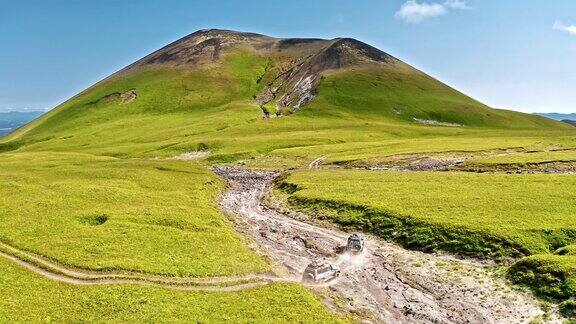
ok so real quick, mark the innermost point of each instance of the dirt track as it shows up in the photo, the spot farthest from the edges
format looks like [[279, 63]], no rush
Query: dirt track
[[58, 272], [386, 283]]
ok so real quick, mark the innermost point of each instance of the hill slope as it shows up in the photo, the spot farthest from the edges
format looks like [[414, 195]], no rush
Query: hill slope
[[208, 88]]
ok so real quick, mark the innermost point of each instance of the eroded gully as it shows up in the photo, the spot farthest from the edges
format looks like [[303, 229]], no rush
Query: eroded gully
[[386, 283]]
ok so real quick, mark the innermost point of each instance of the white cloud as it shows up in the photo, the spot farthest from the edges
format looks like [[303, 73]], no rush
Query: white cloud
[[413, 11], [570, 29]]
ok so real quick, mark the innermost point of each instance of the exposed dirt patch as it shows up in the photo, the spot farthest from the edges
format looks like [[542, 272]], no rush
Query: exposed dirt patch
[[432, 122], [431, 164], [557, 167], [410, 163], [193, 155], [128, 96], [203, 46], [460, 161], [123, 97], [111, 97], [386, 283], [316, 163]]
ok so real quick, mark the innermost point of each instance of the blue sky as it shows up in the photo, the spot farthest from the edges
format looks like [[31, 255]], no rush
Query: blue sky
[[513, 54]]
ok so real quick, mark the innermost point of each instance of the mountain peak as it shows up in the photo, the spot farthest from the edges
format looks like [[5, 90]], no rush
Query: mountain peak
[[200, 46], [215, 32], [360, 50], [296, 78], [207, 45]]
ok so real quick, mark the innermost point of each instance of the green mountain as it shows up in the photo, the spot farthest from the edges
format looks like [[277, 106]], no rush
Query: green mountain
[[11, 120], [558, 116], [241, 94]]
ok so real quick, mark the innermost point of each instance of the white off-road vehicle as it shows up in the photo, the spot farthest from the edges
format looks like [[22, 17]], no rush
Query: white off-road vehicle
[[355, 244], [320, 271]]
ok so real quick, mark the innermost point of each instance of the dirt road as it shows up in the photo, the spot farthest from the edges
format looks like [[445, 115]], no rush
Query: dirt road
[[58, 272], [386, 283]]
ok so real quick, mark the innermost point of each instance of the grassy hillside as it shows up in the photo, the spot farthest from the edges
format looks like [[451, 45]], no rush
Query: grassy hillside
[[401, 93]]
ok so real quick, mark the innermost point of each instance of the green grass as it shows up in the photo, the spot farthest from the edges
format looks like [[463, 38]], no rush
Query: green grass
[[433, 141], [399, 92], [568, 308], [531, 158], [548, 274], [29, 298], [465, 212], [105, 213]]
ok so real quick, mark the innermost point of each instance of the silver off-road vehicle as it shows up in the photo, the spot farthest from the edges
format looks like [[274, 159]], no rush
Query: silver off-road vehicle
[[355, 244], [320, 271]]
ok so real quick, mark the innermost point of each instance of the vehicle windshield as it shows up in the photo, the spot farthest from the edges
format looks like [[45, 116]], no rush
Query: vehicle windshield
[[324, 269]]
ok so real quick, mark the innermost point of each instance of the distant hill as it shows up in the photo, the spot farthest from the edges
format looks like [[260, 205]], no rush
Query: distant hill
[[10, 121], [558, 116], [570, 121], [214, 87]]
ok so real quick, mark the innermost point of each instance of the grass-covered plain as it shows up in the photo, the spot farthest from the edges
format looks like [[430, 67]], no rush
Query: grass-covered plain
[[153, 216], [447, 210], [30, 298], [104, 213]]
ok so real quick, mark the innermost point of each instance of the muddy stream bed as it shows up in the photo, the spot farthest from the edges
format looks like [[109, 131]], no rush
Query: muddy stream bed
[[385, 283]]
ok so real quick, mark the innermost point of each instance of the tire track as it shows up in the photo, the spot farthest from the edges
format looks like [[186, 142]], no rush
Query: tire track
[[58, 272]]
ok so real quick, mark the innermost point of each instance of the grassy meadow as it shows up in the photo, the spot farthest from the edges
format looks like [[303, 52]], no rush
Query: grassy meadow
[[104, 213], [536, 157]]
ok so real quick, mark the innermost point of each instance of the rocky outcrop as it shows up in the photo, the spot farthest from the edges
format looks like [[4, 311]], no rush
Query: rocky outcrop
[[201, 47], [128, 96], [123, 97], [296, 85]]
